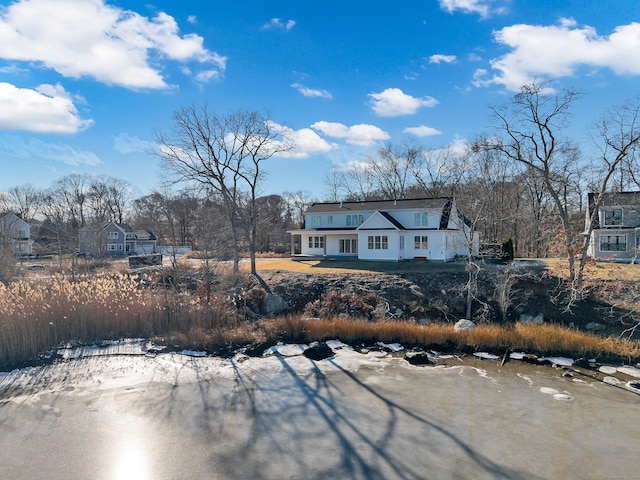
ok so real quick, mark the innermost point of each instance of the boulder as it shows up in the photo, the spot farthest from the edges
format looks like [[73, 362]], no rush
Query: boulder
[[463, 325], [319, 351], [273, 304], [594, 326], [417, 358]]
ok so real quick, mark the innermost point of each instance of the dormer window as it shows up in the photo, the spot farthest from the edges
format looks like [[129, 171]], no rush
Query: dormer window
[[613, 217], [354, 220], [316, 221], [421, 219]]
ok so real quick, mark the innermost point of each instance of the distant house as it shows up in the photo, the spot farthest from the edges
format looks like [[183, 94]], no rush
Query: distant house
[[425, 229], [115, 239], [616, 227], [15, 234]]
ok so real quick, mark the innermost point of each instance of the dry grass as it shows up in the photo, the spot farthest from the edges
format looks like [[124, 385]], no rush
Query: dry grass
[[539, 339], [594, 270]]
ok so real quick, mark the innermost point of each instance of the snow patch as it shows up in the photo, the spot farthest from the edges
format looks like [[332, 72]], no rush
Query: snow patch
[[562, 361], [631, 371], [607, 370], [486, 356]]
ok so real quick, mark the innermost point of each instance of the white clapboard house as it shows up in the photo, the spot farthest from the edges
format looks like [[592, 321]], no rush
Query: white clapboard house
[[393, 230]]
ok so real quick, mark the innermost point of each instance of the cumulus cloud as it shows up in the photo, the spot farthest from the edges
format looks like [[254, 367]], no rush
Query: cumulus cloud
[[126, 144], [88, 38], [362, 134], [278, 24], [310, 92], [393, 102], [31, 149], [422, 131], [47, 109], [439, 58], [559, 51], [306, 142]]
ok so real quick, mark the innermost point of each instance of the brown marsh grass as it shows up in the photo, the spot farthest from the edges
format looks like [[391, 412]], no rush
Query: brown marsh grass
[[39, 315]]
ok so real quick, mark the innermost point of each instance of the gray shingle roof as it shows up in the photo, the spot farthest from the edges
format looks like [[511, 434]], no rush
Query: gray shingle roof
[[378, 205]]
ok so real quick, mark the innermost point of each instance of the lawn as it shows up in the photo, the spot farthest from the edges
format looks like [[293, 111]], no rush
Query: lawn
[[370, 267]]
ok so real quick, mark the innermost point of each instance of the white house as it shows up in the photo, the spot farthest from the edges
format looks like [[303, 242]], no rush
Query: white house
[[424, 228], [616, 228]]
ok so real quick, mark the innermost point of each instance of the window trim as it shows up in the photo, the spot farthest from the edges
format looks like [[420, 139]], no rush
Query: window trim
[[614, 221], [378, 242], [617, 243], [421, 242]]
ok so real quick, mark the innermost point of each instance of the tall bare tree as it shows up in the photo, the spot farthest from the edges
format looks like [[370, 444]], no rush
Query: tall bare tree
[[531, 128], [224, 154]]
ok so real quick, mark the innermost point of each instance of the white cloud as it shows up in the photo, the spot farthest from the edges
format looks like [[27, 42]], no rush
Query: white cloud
[[279, 24], [362, 134], [192, 19], [422, 131], [393, 102], [306, 141], [47, 109], [31, 149], [439, 58], [481, 7], [310, 92], [126, 144], [559, 51], [88, 38]]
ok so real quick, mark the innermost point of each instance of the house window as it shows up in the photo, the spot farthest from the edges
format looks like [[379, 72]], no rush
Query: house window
[[354, 220], [613, 218], [112, 247], [316, 242], [330, 220], [348, 245], [22, 234], [112, 235], [421, 219], [420, 242], [401, 242], [378, 242], [613, 243], [316, 221]]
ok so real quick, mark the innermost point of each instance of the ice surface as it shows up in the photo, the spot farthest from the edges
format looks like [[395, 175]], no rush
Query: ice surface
[[486, 356]]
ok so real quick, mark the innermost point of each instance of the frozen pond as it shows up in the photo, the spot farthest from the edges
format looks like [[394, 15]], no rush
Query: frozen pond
[[176, 416]]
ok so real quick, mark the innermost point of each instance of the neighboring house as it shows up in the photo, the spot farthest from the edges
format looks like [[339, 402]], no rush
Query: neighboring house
[[426, 228], [616, 227], [15, 233], [115, 239]]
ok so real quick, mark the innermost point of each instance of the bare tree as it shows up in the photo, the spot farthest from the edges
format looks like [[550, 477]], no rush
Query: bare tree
[[617, 136], [224, 154], [391, 169], [531, 127]]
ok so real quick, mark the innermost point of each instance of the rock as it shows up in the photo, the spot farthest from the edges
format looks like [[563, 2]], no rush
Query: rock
[[319, 351], [529, 358], [528, 318], [418, 358], [273, 304], [594, 326], [463, 325], [635, 385]]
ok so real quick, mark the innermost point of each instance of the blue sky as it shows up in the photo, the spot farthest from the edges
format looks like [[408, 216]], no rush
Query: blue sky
[[86, 84]]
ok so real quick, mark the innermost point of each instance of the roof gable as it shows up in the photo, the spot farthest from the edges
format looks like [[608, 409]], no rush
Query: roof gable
[[381, 221]]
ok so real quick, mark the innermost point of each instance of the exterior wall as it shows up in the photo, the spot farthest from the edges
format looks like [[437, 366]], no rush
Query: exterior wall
[[113, 246], [618, 238], [16, 233], [600, 238]]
